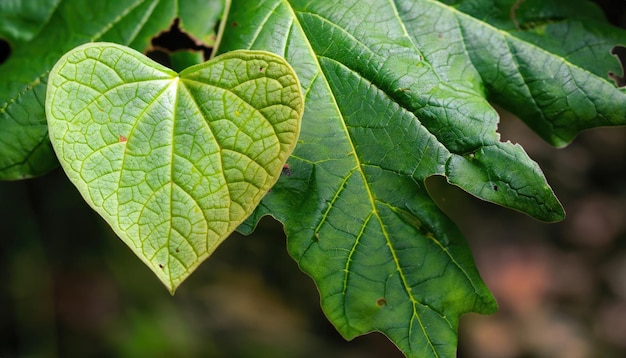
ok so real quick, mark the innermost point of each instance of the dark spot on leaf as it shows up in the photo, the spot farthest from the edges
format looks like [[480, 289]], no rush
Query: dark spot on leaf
[[122, 139], [234, 24], [261, 69], [5, 50], [161, 266], [286, 170], [620, 53], [381, 302], [177, 250], [495, 188]]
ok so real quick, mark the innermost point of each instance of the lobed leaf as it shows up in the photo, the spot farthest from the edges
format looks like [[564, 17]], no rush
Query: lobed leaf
[[546, 61], [396, 91]]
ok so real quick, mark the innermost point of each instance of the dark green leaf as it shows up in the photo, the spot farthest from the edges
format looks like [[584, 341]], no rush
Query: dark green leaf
[[396, 92], [24, 146]]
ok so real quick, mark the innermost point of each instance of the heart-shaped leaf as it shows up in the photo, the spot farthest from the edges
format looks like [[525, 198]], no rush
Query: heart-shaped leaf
[[174, 163]]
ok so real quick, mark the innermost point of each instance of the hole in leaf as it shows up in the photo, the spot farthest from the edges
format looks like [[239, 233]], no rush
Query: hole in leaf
[[495, 188], [175, 39], [5, 50], [620, 53]]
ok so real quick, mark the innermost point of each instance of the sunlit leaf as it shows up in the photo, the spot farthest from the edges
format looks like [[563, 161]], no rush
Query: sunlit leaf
[[174, 163]]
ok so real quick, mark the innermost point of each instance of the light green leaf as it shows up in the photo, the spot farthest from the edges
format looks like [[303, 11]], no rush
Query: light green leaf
[[59, 26], [397, 91], [174, 163]]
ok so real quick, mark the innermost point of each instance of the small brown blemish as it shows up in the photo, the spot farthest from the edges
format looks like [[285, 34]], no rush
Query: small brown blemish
[[122, 139], [381, 302], [495, 188], [177, 250], [234, 24], [161, 266], [286, 170], [261, 69]]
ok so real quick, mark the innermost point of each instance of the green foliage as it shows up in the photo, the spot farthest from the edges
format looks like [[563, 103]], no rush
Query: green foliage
[[394, 92], [173, 163], [53, 29]]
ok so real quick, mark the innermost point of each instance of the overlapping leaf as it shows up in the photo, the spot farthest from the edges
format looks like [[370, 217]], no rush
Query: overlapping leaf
[[174, 163], [397, 91], [547, 61], [60, 26]]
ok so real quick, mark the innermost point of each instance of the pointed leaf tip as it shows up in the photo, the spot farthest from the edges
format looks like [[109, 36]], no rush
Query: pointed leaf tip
[[503, 173]]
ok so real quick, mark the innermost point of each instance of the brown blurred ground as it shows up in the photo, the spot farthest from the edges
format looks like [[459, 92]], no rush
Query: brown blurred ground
[[70, 288], [561, 287]]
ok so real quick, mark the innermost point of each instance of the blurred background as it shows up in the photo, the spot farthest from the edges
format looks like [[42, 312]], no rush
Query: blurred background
[[70, 288]]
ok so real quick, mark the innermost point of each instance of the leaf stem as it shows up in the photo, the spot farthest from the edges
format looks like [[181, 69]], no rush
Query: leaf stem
[[220, 31]]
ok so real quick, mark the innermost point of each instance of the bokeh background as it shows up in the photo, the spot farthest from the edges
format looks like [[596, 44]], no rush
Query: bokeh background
[[70, 288]]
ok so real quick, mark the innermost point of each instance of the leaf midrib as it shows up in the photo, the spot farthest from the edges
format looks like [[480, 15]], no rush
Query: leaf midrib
[[368, 190]]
